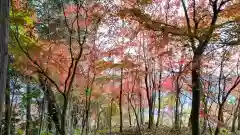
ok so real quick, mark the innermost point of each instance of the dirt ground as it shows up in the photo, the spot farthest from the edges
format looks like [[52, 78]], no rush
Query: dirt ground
[[161, 130]]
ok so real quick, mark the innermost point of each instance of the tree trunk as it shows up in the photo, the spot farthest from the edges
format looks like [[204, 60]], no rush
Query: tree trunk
[[54, 111], [150, 103], [150, 116], [87, 113], [84, 115], [136, 116], [120, 101], [141, 110], [28, 116], [63, 116], [159, 107], [159, 99], [49, 121], [129, 115], [177, 120], [110, 120], [4, 38], [7, 124], [98, 119], [238, 128], [235, 117], [205, 129], [74, 115], [42, 113], [195, 94], [220, 116]]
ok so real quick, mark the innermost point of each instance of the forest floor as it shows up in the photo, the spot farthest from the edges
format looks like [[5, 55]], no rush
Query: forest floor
[[161, 130]]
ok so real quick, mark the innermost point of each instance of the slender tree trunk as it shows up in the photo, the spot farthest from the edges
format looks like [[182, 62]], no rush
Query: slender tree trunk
[[153, 107], [159, 99], [44, 89], [28, 116], [86, 120], [84, 116], [238, 127], [181, 113], [235, 117], [220, 116], [159, 108], [129, 115], [49, 121], [89, 107], [42, 113], [150, 103], [8, 108], [135, 113], [120, 102], [74, 118], [7, 124], [177, 120], [205, 129], [196, 88], [12, 111], [4, 25], [141, 110], [98, 119], [150, 116], [110, 120]]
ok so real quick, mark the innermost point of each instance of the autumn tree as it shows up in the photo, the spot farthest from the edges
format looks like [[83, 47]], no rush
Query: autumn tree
[[80, 20], [198, 29], [4, 24], [224, 90]]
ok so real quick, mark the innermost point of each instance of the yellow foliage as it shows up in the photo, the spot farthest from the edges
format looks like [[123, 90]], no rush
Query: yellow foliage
[[232, 11]]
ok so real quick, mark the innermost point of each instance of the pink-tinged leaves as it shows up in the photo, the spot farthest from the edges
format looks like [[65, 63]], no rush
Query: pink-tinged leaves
[[86, 15], [168, 84]]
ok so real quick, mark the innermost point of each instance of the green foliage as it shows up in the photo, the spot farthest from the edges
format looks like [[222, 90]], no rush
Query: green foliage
[[224, 131], [59, 98], [20, 132], [168, 100], [77, 131], [35, 130], [106, 130], [21, 17], [232, 100], [22, 36], [34, 94], [44, 132], [115, 108], [88, 91]]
